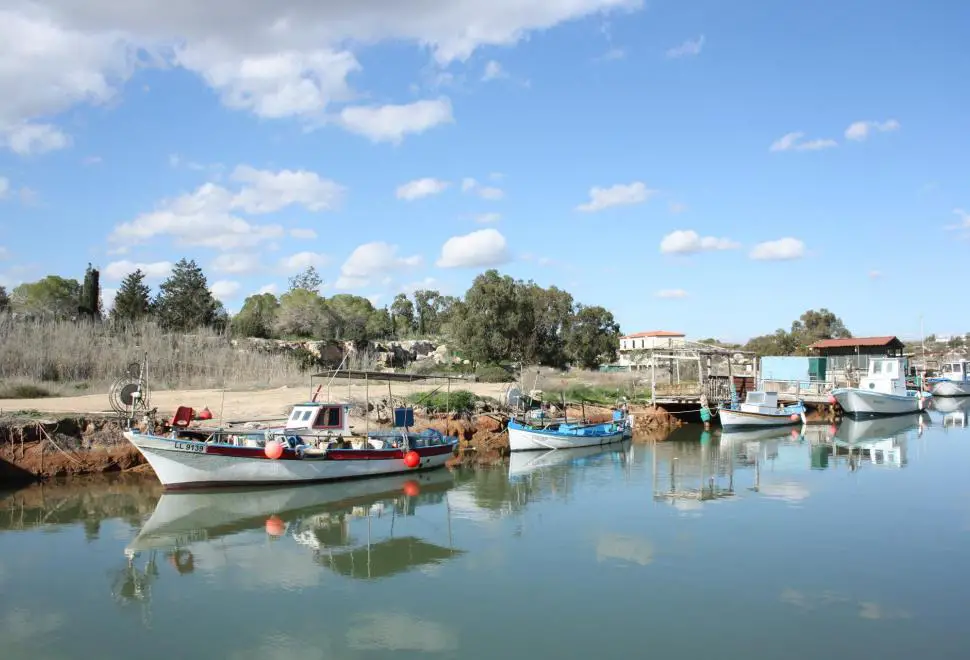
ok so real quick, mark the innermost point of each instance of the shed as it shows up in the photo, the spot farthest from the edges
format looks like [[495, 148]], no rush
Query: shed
[[840, 354]]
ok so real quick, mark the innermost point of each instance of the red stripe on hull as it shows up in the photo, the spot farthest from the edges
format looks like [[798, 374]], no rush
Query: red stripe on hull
[[332, 455]]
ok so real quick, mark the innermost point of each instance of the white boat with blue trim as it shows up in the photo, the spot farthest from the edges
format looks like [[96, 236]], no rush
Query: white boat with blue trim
[[563, 436], [954, 380], [760, 409], [882, 391]]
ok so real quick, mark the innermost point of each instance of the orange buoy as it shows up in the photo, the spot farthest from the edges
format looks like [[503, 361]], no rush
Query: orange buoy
[[794, 417], [275, 526], [412, 459], [273, 449], [205, 413], [411, 488]]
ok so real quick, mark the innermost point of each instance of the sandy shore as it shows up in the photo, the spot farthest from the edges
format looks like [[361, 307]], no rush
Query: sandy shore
[[235, 405]]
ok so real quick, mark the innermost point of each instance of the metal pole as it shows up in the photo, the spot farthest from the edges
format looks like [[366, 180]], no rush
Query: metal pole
[[366, 406], [653, 379]]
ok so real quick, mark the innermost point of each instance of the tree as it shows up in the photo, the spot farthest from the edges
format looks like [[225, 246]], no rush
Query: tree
[[257, 318], [303, 313], [593, 336], [308, 280], [184, 301], [52, 296], [133, 300], [4, 300], [89, 304], [488, 328], [380, 325], [351, 314], [552, 314], [402, 311], [426, 305], [811, 327]]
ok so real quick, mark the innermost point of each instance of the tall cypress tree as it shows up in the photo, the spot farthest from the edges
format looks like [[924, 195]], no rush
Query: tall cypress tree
[[133, 300], [90, 303]]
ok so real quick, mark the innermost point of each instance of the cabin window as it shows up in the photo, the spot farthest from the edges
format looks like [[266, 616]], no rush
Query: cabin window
[[306, 415], [329, 418], [295, 415]]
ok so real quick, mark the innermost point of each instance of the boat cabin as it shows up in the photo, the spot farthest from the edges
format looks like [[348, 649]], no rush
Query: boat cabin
[[760, 402], [958, 370], [886, 375], [332, 418]]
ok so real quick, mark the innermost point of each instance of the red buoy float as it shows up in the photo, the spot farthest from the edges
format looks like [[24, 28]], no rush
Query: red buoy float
[[412, 459], [411, 488], [205, 413], [275, 526], [273, 449], [794, 417]]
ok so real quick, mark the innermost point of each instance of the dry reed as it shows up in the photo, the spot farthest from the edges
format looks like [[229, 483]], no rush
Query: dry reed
[[65, 355]]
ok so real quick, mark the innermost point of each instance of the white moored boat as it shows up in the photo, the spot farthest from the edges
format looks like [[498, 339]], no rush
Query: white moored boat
[[882, 391], [761, 409], [316, 444], [563, 436], [954, 380]]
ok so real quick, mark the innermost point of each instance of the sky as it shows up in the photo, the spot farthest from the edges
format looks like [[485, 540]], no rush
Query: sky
[[715, 167]]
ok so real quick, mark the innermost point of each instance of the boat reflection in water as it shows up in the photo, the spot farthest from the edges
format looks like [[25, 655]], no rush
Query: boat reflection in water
[[687, 474], [955, 411], [878, 441], [522, 464], [318, 518]]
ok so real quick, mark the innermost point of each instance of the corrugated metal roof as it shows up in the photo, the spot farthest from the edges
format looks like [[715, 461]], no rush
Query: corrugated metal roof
[[653, 333], [855, 341]]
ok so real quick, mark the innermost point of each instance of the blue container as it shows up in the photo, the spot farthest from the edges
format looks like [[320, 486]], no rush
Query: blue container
[[404, 417]]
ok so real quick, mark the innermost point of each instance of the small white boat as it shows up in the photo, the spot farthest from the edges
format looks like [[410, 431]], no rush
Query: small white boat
[[761, 409], [882, 391], [563, 436], [954, 380]]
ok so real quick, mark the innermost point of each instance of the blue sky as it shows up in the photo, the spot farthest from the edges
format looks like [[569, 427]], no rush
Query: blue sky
[[706, 166]]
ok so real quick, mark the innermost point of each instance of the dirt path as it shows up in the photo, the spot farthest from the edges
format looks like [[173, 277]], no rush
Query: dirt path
[[237, 406]]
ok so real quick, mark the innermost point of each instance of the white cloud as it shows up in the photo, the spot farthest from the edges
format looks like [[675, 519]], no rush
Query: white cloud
[[224, 289], [618, 195], [370, 261], [860, 130], [470, 185], [688, 241], [207, 217], [488, 218], [426, 283], [268, 288], [482, 248], [287, 58], [964, 218], [677, 207], [236, 263], [266, 192], [493, 71], [308, 234], [671, 293], [419, 188], [156, 270], [4, 187], [302, 260], [793, 142], [108, 296], [390, 123], [25, 139], [689, 48], [781, 250]]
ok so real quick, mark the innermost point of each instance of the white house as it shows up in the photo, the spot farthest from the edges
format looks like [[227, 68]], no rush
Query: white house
[[632, 345]]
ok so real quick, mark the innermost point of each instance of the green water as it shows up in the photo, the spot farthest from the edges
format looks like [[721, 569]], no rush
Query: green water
[[765, 545]]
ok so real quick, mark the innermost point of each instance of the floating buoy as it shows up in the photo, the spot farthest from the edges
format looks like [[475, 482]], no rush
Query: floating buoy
[[705, 414], [273, 449], [832, 399], [794, 417], [833, 430], [412, 459], [275, 526], [411, 488], [205, 413]]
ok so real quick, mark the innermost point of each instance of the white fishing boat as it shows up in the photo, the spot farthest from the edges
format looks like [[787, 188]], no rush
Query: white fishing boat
[[760, 409], [316, 444], [954, 380], [563, 436], [882, 391]]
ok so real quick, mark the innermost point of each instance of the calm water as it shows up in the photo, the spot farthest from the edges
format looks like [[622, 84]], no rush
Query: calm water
[[754, 545]]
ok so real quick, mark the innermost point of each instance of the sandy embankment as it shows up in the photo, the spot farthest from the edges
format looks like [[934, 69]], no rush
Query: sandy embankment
[[239, 406]]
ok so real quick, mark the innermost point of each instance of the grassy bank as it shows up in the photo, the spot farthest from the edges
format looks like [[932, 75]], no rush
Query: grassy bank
[[63, 358]]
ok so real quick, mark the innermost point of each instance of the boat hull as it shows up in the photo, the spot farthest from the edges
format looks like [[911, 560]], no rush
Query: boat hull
[[856, 401], [950, 388], [521, 439], [734, 419], [181, 464]]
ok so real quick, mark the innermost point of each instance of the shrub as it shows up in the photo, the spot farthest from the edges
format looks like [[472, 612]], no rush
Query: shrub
[[457, 401], [494, 373]]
